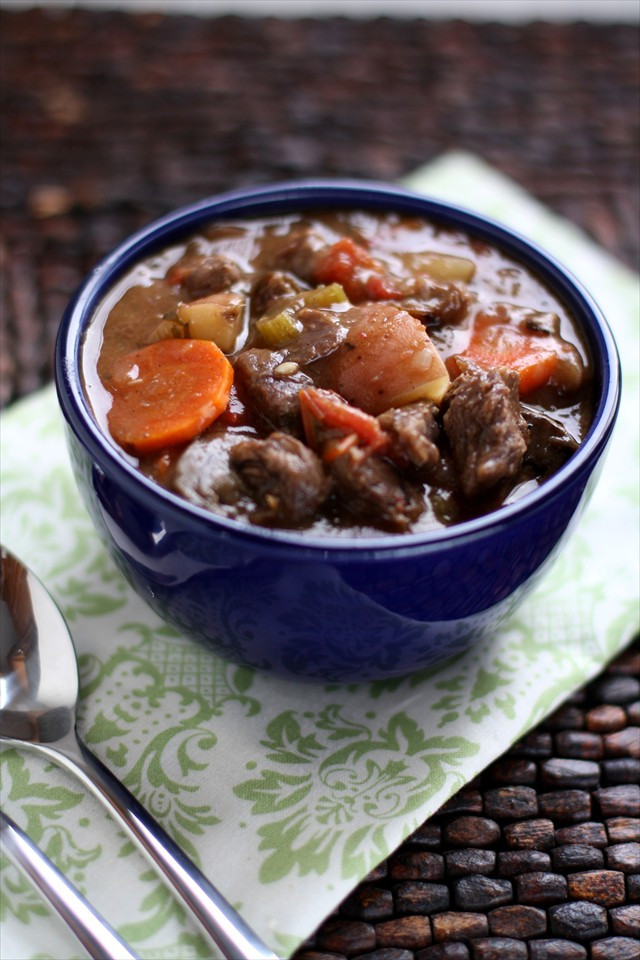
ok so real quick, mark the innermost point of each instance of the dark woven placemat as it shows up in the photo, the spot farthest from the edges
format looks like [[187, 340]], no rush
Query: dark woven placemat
[[110, 120], [538, 859]]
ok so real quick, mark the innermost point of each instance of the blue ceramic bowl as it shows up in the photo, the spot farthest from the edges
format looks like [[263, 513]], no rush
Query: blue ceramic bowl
[[304, 606]]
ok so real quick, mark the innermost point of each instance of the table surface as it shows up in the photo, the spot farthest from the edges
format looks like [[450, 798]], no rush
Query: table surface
[[112, 119]]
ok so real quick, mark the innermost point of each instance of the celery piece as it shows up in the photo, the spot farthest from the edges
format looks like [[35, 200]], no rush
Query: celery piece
[[325, 296], [278, 329]]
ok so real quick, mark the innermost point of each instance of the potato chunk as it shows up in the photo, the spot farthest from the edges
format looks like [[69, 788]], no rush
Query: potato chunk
[[218, 317], [386, 360], [442, 266]]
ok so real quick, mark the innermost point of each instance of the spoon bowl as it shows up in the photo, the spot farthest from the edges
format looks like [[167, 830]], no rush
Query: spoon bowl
[[38, 671], [38, 697]]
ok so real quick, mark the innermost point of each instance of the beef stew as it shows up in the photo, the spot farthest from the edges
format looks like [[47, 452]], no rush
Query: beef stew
[[346, 373]]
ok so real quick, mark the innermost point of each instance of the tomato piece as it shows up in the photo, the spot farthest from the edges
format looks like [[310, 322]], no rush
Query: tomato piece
[[353, 267], [379, 287], [235, 413], [329, 410]]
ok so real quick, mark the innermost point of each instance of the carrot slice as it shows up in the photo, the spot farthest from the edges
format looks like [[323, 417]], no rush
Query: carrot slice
[[502, 345], [166, 393]]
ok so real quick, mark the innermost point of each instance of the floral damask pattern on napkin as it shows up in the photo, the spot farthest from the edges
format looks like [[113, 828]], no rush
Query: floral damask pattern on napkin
[[287, 794]]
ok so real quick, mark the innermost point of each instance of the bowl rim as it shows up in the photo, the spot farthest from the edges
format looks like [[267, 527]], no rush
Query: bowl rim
[[287, 196]]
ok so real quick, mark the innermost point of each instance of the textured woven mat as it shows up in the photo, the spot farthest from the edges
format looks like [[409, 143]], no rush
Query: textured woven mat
[[109, 120]]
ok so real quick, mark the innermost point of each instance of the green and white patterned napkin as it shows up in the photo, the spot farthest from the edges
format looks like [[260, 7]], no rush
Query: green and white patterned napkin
[[287, 794]]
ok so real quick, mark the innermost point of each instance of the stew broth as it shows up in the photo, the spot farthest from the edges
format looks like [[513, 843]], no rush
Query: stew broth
[[345, 372]]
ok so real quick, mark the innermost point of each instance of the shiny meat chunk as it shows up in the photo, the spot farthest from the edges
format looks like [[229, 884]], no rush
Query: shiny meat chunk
[[322, 333], [203, 475], [269, 288], [485, 428], [371, 489], [301, 250], [413, 433], [210, 275], [283, 476], [550, 443], [271, 388], [437, 302]]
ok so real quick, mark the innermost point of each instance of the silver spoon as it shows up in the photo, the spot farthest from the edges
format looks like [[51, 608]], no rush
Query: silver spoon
[[94, 933], [38, 696]]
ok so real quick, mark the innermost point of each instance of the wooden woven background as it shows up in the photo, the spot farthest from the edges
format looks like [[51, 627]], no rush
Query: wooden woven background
[[109, 120]]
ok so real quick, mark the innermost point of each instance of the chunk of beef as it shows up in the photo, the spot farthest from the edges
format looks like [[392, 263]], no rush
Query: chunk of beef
[[437, 302], [271, 393], [550, 443], [202, 473], [535, 321], [269, 288], [413, 433], [301, 250], [210, 275], [371, 489], [322, 332], [283, 476], [485, 428]]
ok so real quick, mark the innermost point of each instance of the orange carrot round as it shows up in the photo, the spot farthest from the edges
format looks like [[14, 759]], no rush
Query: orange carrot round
[[166, 393], [501, 345]]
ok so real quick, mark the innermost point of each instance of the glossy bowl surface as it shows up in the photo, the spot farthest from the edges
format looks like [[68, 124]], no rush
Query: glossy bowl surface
[[354, 609]]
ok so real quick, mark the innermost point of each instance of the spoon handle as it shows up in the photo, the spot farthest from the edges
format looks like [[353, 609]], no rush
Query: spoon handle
[[232, 936], [99, 940]]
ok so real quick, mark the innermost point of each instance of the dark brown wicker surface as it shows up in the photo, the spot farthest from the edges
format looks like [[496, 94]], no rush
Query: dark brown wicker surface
[[110, 120]]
